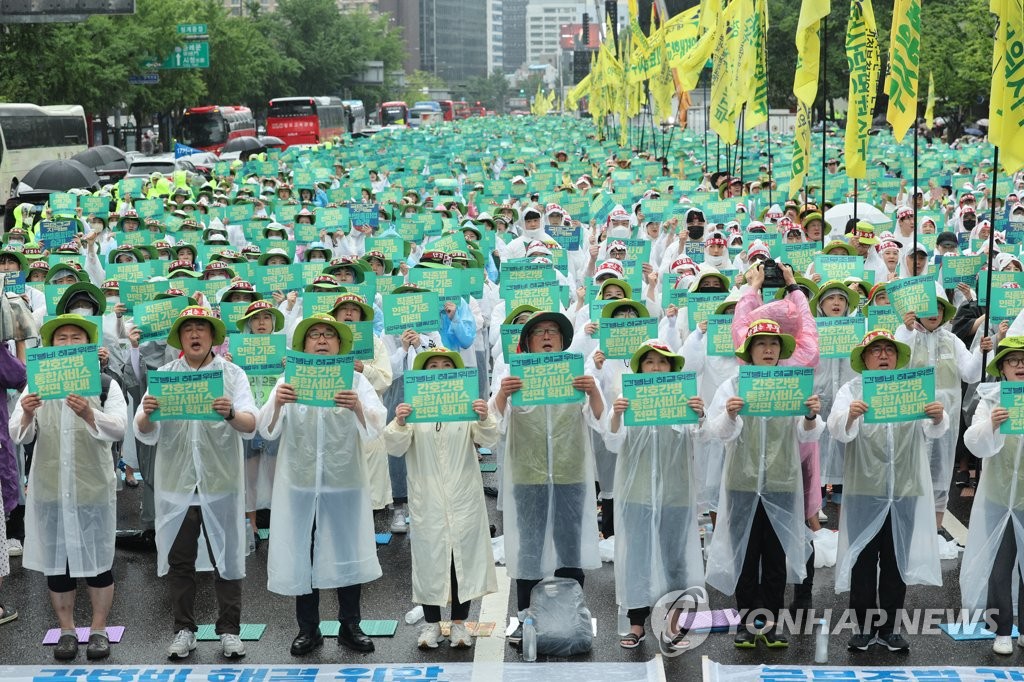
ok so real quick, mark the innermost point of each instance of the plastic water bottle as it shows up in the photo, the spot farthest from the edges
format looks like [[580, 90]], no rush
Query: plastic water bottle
[[821, 642], [414, 615], [709, 532], [529, 640], [250, 537]]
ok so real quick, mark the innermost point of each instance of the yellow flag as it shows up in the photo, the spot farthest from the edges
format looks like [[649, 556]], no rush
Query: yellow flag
[[863, 59], [724, 75], [808, 49], [689, 65], [929, 111], [757, 88], [801, 149], [1006, 108], [579, 91], [663, 83], [904, 66]]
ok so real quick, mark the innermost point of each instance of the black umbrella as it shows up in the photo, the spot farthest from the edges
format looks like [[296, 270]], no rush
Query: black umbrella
[[102, 157], [270, 141], [973, 131], [243, 144], [58, 176]]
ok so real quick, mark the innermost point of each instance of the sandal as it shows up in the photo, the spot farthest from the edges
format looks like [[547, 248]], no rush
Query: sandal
[[7, 615], [678, 642], [632, 640], [962, 479]]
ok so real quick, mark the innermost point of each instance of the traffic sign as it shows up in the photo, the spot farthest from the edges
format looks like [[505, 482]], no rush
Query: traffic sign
[[194, 54], [188, 30], [144, 79]]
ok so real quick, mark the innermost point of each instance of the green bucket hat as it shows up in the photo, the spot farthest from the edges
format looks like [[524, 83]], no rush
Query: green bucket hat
[[1005, 347], [808, 285], [766, 328], [564, 325], [856, 355], [655, 346], [261, 307], [54, 323], [354, 299], [342, 330], [510, 318], [80, 289], [196, 313], [421, 359], [852, 297], [58, 268], [839, 244], [609, 309], [623, 284]]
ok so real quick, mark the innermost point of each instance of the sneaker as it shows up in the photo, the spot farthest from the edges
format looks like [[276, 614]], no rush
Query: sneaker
[[859, 642], [232, 646], [1003, 645], [460, 637], [744, 639], [183, 645], [1020, 641], [893, 641], [775, 640], [822, 516], [399, 522], [516, 638], [430, 635], [14, 547]]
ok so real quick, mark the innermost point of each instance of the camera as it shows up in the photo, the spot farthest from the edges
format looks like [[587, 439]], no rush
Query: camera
[[773, 278]]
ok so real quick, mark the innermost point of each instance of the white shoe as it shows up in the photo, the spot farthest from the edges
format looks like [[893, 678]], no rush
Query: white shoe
[[1020, 641], [232, 646], [399, 524], [460, 637], [14, 547], [183, 645], [430, 635], [1003, 645], [822, 516]]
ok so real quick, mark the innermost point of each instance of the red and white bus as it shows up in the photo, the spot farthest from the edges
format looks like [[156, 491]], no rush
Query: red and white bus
[[306, 120], [447, 109], [393, 114], [462, 110], [209, 128]]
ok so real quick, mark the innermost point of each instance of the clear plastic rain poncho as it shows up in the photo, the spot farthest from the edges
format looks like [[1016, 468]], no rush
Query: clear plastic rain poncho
[[321, 479], [998, 503], [200, 463], [886, 473], [657, 547], [71, 506]]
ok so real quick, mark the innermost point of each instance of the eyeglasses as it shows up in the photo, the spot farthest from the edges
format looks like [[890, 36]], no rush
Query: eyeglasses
[[1014, 360], [547, 331], [880, 349], [316, 336]]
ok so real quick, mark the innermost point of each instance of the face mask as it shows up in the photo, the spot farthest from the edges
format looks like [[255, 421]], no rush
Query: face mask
[[969, 224], [81, 311], [317, 259], [112, 301], [695, 231]]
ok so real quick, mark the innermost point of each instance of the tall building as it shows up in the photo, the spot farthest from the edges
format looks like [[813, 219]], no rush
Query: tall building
[[495, 36], [405, 14], [352, 5], [453, 39], [544, 19], [242, 7], [513, 30]]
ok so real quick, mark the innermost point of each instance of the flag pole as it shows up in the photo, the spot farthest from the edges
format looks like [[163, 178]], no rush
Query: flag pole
[[707, 166], [913, 190], [991, 248], [769, 127], [743, 121], [824, 99]]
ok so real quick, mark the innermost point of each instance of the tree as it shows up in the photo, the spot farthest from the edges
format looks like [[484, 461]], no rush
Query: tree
[[492, 92], [417, 83]]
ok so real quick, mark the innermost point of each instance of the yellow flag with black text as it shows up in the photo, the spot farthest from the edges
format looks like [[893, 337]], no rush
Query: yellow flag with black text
[[689, 65], [863, 59], [801, 149], [808, 49], [929, 110], [1006, 107], [904, 66], [757, 102], [725, 72]]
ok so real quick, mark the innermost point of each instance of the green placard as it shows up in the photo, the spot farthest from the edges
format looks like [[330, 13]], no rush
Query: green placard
[[155, 318], [998, 280], [57, 372], [283, 278], [149, 208], [138, 238], [547, 378], [1006, 304], [419, 311], [186, 395], [838, 267], [317, 378], [449, 283], [898, 395], [53, 293], [231, 313], [63, 203], [670, 295], [883, 317], [362, 340], [442, 395], [133, 293], [719, 336], [510, 334], [656, 399], [620, 337], [775, 391], [838, 335], [388, 283], [1011, 396], [542, 296], [700, 306], [54, 233], [957, 269], [258, 354], [130, 272], [95, 206], [802, 255], [393, 248], [913, 295], [524, 270]]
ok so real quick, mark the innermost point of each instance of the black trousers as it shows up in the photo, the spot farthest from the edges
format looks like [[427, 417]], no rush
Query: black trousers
[[1000, 585], [307, 606], [876, 582], [460, 609], [524, 587], [762, 579]]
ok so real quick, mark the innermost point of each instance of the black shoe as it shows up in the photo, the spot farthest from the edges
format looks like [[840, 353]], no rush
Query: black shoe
[[490, 491], [859, 642], [353, 637], [516, 638], [775, 640], [893, 641], [306, 642], [67, 648], [744, 639], [137, 541], [99, 647]]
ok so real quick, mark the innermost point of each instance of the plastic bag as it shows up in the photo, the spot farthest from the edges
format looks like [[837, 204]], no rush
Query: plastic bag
[[498, 549], [561, 617], [606, 549], [826, 547]]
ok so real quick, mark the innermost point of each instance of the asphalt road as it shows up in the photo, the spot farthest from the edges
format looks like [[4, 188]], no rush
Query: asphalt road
[[141, 604]]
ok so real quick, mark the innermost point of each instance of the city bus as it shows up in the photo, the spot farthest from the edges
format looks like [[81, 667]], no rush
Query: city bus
[[393, 114], [306, 120], [30, 134], [461, 110], [447, 109], [209, 128]]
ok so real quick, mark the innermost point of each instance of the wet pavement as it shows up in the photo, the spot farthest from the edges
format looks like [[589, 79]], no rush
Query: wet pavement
[[141, 604]]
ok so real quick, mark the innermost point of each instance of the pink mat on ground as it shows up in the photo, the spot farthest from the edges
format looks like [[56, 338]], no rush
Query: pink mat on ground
[[114, 634]]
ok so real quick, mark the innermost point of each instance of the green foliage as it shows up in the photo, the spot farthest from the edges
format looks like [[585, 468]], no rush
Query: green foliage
[[415, 84], [492, 92]]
